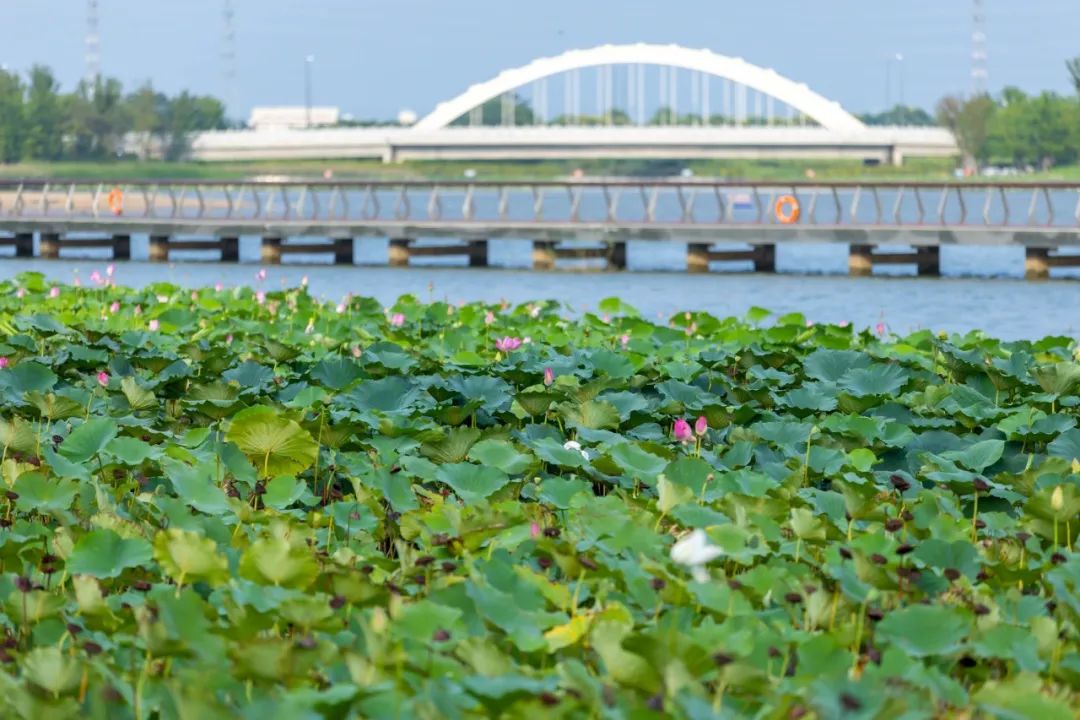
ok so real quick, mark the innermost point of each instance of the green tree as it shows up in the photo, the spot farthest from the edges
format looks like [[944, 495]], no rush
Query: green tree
[[1039, 130], [44, 136], [969, 121], [900, 115], [186, 114], [147, 109], [99, 119], [12, 118], [1074, 72], [493, 113]]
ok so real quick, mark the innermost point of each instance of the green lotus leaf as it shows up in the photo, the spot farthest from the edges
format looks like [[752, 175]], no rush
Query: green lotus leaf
[[104, 554], [275, 445], [276, 561], [472, 483], [88, 439], [187, 557], [925, 630], [502, 455]]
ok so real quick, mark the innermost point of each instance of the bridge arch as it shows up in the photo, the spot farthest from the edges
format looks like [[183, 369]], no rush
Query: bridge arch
[[827, 113]]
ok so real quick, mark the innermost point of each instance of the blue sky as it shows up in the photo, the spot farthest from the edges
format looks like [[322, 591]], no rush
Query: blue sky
[[374, 57]]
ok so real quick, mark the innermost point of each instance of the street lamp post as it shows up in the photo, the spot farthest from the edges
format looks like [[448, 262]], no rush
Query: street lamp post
[[900, 66], [308, 62]]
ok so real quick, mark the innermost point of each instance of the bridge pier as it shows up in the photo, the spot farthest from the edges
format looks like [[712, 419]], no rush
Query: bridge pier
[[617, 256], [402, 249], [343, 251], [230, 249], [478, 253], [399, 252], [159, 248], [49, 247], [699, 255], [543, 255], [121, 247], [24, 245], [863, 258], [1039, 260], [1037, 263], [271, 251]]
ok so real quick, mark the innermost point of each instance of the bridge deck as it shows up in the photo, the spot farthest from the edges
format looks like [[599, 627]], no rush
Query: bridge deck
[[1040, 217]]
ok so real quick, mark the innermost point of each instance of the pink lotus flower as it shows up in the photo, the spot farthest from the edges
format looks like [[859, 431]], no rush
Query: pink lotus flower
[[95, 277], [489, 317], [77, 282], [4, 362], [103, 379], [303, 281], [261, 275], [194, 295], [54, 292], [356, 351], [110, 270], [844, 323], [681, 430], [153, 325], [701, 426], [880, 329], [534, 530], [624, 340], [341, 308], [218, 287], [115, 307], [397, 320], [20, 293], [549, 376], [260, 297], [507, 344], [228, 339]]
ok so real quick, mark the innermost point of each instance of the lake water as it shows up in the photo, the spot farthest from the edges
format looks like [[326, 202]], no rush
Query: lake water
[[982, 287]]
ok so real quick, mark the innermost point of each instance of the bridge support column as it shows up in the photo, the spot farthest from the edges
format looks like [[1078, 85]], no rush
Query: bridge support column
[[121, 247], [765, 258], [24, 245], [861, 260], [1037, 263], [343, 251], [399, 252], [49, 247], [928, 261], [230, 249], [478, 253], [159, 248], [697, 257], [617, 256], [271, 250], [543, 255]]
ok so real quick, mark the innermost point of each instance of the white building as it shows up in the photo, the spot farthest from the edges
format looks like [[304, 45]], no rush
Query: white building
[[293, 117]]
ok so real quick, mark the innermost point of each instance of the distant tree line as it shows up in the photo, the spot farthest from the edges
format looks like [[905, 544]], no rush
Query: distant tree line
[[1016, 128], [96, 121]]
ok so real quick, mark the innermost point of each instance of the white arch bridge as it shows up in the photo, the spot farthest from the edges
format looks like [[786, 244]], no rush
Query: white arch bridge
[[613, 101]]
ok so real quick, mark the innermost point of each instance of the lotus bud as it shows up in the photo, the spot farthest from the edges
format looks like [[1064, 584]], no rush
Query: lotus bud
[[681, 430], [1057, 499]]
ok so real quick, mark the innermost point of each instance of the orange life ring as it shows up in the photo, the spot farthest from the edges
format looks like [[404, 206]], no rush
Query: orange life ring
[[116, 201], [787, 209]]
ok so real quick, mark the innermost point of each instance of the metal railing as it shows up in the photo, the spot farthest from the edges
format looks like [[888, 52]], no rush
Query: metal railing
[[617, 202]]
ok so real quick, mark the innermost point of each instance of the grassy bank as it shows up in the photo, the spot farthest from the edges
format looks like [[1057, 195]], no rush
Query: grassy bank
[[914, 170], [238, 503]]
